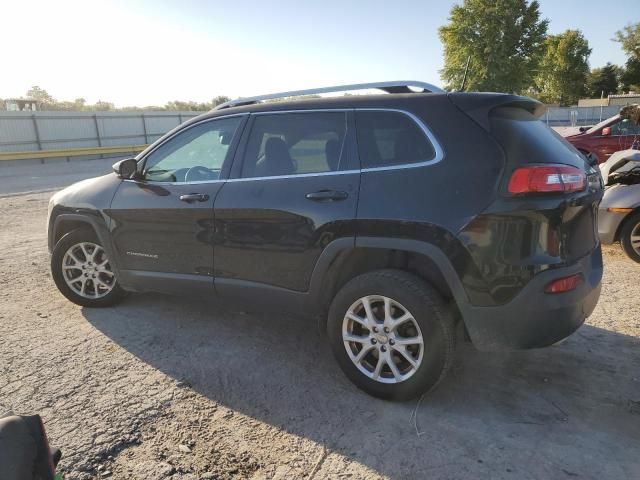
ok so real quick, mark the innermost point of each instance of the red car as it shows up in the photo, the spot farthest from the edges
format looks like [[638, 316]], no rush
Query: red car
[[607, 137]]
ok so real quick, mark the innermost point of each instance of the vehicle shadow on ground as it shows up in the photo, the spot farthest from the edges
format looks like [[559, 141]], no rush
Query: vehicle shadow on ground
[[566, 410]]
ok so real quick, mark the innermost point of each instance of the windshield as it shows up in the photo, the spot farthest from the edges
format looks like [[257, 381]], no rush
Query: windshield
[[604, 123]]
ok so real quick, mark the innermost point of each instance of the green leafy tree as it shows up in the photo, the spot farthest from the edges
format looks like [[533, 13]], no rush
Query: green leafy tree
[[630, 75], [47, 102], [629, 38], [41, 95], [563, 69], [219, 100], [603, 80], [188, 106], [103, 106], [503, 40], [79, 104]]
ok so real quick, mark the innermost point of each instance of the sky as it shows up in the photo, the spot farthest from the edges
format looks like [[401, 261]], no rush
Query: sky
[[149, 52]]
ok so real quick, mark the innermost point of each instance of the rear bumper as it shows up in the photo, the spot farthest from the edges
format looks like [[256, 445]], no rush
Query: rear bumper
[[533, 318]]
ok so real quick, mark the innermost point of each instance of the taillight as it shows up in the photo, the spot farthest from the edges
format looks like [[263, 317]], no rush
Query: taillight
[[564, 284], [547, 178]]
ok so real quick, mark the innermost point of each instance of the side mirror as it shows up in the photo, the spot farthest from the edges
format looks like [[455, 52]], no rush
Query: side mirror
[[606, 131], [126, 168]]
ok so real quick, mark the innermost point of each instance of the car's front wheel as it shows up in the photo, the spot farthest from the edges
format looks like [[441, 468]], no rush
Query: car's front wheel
[[82, 271], [630, 237], [391, 333]]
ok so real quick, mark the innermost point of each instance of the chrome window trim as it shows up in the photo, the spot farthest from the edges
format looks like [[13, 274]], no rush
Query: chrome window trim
[[151, 182], [438, 157], [294, 175]]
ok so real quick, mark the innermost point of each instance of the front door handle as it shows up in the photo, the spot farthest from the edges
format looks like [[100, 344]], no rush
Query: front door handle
[[327, 196], [194, 197]]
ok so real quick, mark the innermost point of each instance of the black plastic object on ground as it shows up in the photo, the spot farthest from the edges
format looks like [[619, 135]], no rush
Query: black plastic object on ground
[[24, 449]]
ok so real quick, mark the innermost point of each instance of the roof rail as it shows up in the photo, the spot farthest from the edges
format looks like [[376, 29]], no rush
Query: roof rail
[[399, 86]]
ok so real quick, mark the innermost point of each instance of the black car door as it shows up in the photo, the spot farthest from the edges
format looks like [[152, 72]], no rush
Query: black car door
[[162, 222], [293, 190]]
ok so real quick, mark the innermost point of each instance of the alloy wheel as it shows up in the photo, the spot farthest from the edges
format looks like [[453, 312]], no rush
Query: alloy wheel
[[635, 238], [86, 270], [382, 339]]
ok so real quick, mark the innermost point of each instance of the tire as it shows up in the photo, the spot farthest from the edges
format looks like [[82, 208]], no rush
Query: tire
[[430, 319], [73, 274], [631, 228]]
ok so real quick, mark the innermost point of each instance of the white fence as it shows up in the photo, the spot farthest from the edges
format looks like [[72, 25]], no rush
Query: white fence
[[29, 131], [578, 116]]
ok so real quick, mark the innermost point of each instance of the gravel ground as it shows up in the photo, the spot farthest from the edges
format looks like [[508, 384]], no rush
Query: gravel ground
[[161, 388]]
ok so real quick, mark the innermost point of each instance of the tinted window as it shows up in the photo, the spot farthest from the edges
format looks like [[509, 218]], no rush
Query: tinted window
[[525, 139], [390, 139], [294, 143], [625, 127], [196, 154]]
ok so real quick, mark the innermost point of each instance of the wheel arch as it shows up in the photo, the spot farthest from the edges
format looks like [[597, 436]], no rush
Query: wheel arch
[[623, 222], [342, 261], [67, 222]]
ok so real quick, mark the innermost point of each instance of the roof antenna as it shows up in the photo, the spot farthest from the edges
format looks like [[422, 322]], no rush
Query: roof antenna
[[466, 71]]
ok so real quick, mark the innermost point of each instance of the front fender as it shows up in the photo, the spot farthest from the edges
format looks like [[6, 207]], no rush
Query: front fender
[[95, 221], [84, 203]]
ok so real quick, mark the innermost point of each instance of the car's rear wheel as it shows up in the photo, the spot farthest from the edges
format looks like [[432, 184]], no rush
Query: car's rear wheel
[[630, 237], [82, 271], [391, 333]]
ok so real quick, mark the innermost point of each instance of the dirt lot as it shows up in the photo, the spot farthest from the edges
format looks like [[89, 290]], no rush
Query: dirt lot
[[163, 388]]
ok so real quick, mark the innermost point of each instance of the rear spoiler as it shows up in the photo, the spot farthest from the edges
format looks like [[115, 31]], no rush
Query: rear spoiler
[[479, 105]]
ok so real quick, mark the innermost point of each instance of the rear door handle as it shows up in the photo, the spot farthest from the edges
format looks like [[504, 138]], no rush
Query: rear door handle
[[194, 197], [327, 196]]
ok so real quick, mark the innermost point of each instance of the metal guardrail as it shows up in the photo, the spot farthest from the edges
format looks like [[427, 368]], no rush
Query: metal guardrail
[[71, 152]]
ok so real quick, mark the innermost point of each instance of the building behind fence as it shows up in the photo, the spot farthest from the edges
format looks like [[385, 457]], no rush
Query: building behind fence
[[41, 131]]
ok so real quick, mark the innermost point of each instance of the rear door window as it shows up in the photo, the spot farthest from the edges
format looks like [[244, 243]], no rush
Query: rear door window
[[295, 143], [389, 139]]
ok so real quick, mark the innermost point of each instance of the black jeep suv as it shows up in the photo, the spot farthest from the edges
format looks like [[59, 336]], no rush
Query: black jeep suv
[[399, 219]]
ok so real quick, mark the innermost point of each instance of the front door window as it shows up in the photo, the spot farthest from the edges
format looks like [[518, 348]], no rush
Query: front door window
[[194, 155]]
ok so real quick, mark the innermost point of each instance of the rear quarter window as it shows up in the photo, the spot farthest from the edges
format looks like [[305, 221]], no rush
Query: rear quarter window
[[388, 139], [525, 139]]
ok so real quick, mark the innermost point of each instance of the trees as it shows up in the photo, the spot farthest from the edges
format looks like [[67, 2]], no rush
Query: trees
[[41, 95], [196, 106], [509, 51], [219, 100], [630, 75], [629, 38], [47, 102], [502, 38], [563, 68], [603, 81]]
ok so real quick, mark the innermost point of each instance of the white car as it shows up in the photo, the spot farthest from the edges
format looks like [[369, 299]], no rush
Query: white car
[[619, 211]]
